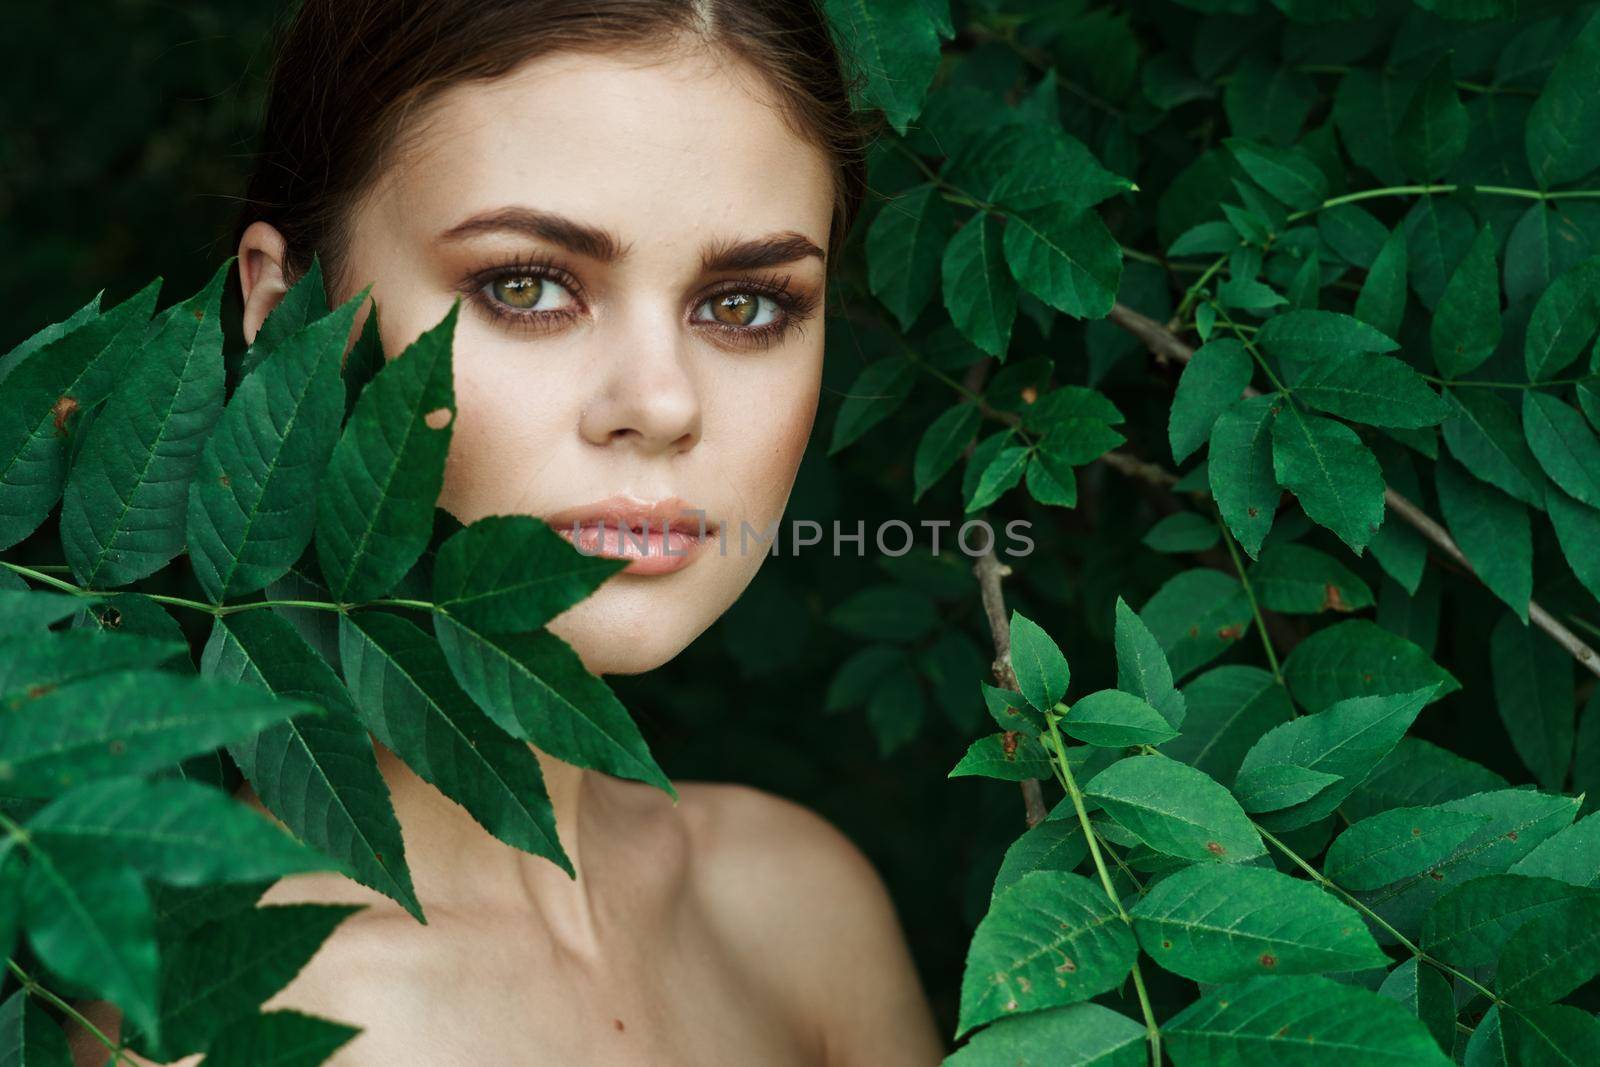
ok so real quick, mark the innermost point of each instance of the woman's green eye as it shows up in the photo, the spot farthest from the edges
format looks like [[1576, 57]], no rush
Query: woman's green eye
[[742, 309], [525, 292]]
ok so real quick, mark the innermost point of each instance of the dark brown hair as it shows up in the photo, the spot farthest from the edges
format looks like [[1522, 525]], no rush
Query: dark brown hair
[[347, 74]]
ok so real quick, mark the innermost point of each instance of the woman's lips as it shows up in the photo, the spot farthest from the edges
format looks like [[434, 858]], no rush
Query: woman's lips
[[658, 536]]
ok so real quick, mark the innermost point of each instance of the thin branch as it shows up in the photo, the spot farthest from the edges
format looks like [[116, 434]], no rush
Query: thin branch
[[1167, 346], [990, 570]]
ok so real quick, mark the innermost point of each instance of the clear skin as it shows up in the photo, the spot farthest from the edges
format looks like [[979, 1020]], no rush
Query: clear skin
[[734, 927]]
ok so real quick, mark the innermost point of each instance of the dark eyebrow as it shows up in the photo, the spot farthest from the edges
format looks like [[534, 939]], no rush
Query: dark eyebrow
[[602, 245]]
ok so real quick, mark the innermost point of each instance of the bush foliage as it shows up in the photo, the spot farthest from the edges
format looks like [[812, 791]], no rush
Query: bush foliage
[[1305, 296]]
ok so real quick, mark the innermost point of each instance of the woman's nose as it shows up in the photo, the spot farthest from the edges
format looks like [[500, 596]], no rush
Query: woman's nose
[[647, 397]]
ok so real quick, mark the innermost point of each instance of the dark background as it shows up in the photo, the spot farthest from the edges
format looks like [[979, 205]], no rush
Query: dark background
[[125, 141]]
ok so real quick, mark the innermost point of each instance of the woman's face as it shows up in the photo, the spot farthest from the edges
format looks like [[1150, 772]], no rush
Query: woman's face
[[639, 253]]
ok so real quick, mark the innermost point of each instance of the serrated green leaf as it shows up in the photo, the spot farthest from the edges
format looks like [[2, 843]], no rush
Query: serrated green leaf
[[1563, 444], [1381, 303], [128, 723], [1433, 132], [1175, 809], [1213, 379], [1242, 479], [1229, 707], [277, 1039], [1469, 924], [1229, 922], [1011, 757], [1368, 388], [895, 47], [1297, 1020], [1275, 786], [1560, 134], [405, 694], [123, 510], [29, 1037], [942, 444], [535, 687], [1053, 845], [1041, 669], [1299, 580], [1466, 324], [1077, 1035], [1111, 718], [46, 388], [1492, 531], [304, 303], [1331, 472], [1197, 615], [878, 392], [318, 774], [1564, 320], [904, 246], [1572, 855], [376, 498], [1066, 257], [1313, 336], [1535, 695], [1358, 657], [1049, 940], [1577, 529], [977, 286], [514, 572], [252, 504], [1426, 994], [1395, 844], [1552, 953], [1487, 437]]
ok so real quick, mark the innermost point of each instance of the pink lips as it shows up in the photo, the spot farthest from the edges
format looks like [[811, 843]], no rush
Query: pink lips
[[659, 536]]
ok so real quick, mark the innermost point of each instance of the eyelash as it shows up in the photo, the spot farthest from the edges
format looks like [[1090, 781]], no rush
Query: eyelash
[[794, 308]]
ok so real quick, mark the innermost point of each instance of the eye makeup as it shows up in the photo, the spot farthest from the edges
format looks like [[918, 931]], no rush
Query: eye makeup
[[793, 306]]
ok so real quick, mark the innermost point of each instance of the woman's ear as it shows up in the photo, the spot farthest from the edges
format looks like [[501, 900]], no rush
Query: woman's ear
[[263, 274]]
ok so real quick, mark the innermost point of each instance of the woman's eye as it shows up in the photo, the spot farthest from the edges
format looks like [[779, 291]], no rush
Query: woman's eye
[[743, 309], [527, 292]]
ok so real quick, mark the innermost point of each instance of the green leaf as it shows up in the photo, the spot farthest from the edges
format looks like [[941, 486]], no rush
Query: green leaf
[[405, 694], [1470, 924], [1053, 845], [1564, 445], [1466, 324], [1066, 257], [1354, 234], [1111, 718], [304, 303], [1492, 531], [1367, 108], [123, 509], [1560, 134], [1557, 1034], [252, 504], [1563, 321], [29, 1037], [894, 46], [65, 374], [1313, 336], [535, 687], [1358, 657], [1289, 174], [1212, 380], [878, 391], [977, 286], [1346, 739], [1331, 472], [228, 968], [1296, 1020], [1175, 809], [1433, 132], [1381, 303], [1418, 772], [1142, 667], [1229, 922], [1425, 993], [1000, 475], [278, 1039], [27, 612], [1439, 232], [1368, 388], [1197, 615], [1051, 939], [1546, 242], [1078, 1035], [90, 922], [1488, 439], [1577, 529], [1041, 669], [1010, 710], [376, 498], [176, 832], [318, 774], [1022, 166], [1572, 855], [904, 246], [1245, 486], [1396, 844], [942, 444], [514, 572], [128, 723], [1552, 953], [1229, 707], [1275, 786], [893, 613], [1011, 757], [1299, 580], [1535, 694]]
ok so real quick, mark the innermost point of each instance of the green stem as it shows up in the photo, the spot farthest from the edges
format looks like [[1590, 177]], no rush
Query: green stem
[[1151, 1029], [1409, 945], [1511, 385], [32, 987], [1250, 346], [1249, 591]]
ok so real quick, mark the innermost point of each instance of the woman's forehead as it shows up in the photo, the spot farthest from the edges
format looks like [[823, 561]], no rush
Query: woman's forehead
[[664, 150]]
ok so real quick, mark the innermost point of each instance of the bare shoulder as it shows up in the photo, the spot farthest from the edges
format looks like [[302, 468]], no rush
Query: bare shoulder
[[787, 889]]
